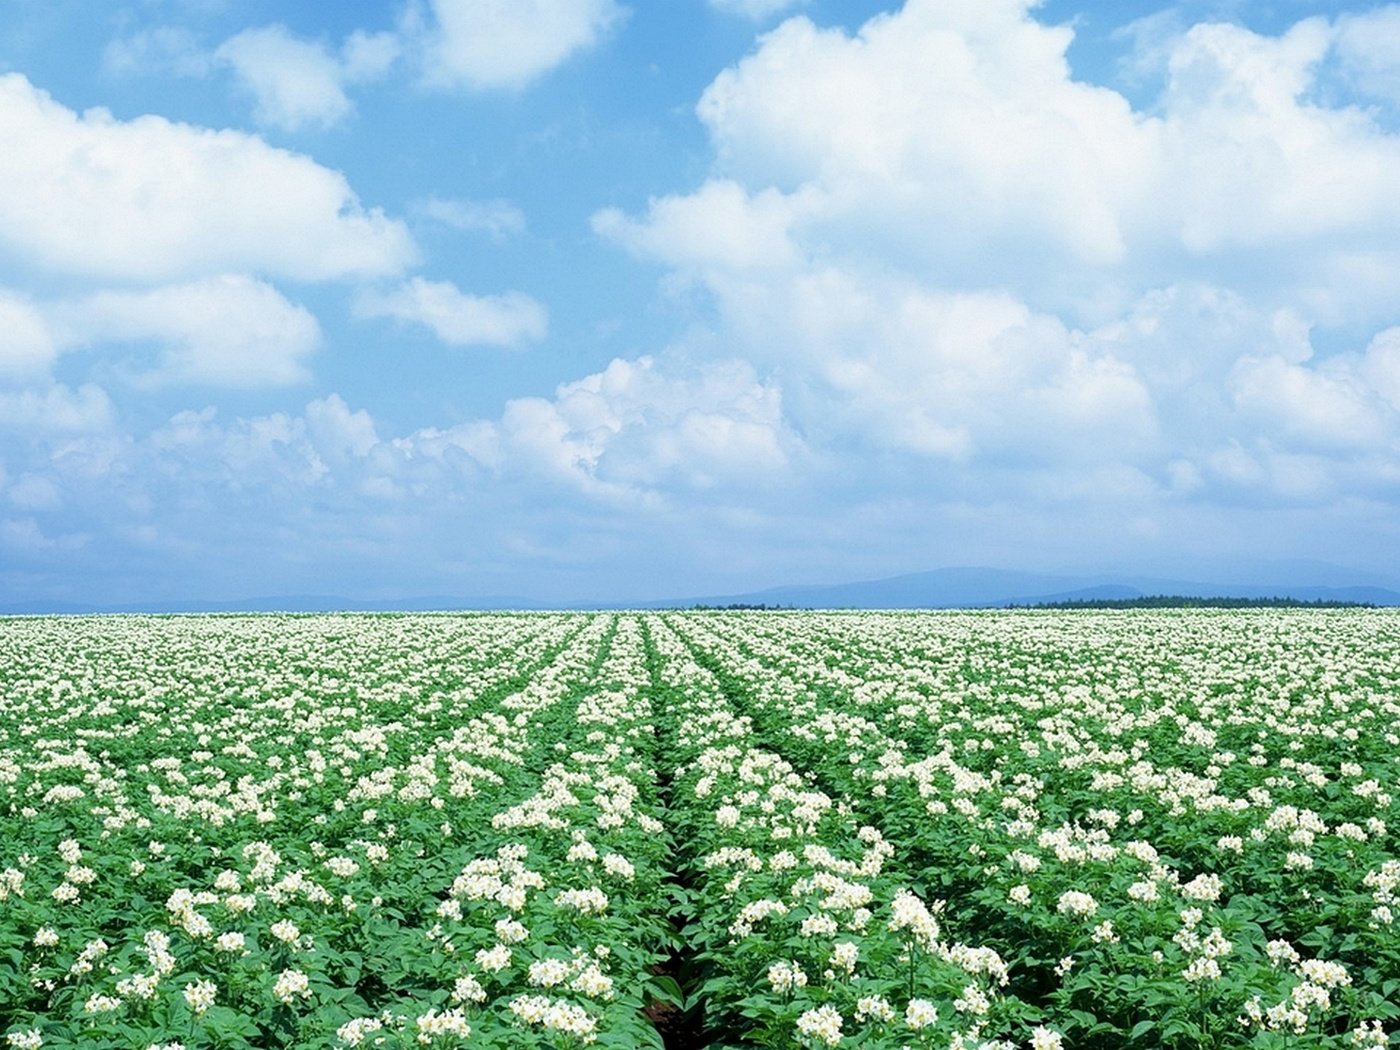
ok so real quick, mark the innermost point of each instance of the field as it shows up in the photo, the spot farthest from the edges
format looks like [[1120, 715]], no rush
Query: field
[[1027, 829]]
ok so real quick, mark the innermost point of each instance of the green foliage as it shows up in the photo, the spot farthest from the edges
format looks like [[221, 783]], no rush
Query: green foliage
[[1173, 830]]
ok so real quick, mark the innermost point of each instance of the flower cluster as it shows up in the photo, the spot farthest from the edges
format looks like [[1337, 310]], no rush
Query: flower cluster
[[893, 829]]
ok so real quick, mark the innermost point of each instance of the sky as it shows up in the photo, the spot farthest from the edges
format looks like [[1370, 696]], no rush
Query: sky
[[625, 299]]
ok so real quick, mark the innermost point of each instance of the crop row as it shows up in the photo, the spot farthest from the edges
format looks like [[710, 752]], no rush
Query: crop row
[[1194, 851], [876, 830], [381, 858]]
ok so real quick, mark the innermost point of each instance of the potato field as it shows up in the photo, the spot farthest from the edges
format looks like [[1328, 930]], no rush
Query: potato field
[[1027, 829]]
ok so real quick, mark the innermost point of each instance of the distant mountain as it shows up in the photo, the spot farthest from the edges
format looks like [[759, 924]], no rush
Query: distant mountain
[[952, 588], [980, 588]]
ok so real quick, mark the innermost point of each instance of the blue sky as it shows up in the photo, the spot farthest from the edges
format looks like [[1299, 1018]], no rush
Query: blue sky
[[575, 299]]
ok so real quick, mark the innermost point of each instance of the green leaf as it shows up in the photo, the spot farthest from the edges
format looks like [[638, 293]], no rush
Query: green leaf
[[668, 989]]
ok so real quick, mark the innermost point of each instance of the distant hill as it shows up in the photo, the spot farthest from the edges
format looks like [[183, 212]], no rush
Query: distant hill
[[981, 588], [951, 588], [1176, 601]]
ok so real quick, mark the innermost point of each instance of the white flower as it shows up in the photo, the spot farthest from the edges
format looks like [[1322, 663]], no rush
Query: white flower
[[290, 985], [785, 976], [468, 990], [844, 956], [546, 973], [910, 913], [1076, 903], [1367, 1034], [1146, 892], [353, 1033], [1203, 888], [618, 866], [1215, 945], [1201, 969], [508, 931], [587, 901], [593, 983], [874, 1006], [920, 1013], [286, 932], [1103, 933], [822, 1024], [1046, 1039], [30, 1040], [436, 1023], [200, 995], [972, 1001], [344, 867], [138, 986], [494, 959], [1326, 974]]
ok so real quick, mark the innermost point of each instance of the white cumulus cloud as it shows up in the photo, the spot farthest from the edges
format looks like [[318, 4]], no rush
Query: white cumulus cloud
[[949, 246], [631, 435], [27, 346], [484, 44], [637, 429], [294, 83], [151, 200], [56, 409], [225, 331], [456, 317]]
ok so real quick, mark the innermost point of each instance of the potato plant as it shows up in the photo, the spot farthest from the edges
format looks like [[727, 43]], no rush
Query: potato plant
[[996, 829]]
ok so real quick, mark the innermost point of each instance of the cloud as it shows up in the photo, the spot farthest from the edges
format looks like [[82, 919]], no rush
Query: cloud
[[498, 219], [261, 455], [493, 44], [34, 492], [160, 48], [299, 83], [368, 56], [1368, 51], [27, 346], [718, 228], [151, 200], [755, 9], [636, 429], [225, 331], [338, 431], [294, 83], [457, 318], [955, 120], [1381, 366], [952, 249], [632, 434], [56, 409], [953, 141]]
